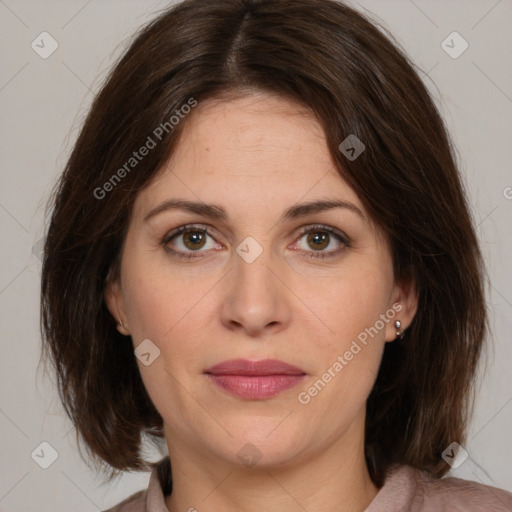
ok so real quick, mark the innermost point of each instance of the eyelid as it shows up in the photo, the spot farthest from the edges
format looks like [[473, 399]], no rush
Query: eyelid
[[183, 229], [332, 231]]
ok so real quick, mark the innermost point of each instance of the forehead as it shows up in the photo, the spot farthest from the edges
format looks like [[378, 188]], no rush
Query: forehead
[[257, 149]]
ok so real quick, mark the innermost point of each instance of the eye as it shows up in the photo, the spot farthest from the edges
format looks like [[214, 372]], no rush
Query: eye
[[321, 242], [187, 240], [192, 241]]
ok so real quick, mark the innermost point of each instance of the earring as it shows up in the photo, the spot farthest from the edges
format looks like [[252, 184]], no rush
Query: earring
[[122, 329], [399, 332]]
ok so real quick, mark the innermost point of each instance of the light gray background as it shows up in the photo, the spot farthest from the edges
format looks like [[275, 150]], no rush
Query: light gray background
[[43, 102]]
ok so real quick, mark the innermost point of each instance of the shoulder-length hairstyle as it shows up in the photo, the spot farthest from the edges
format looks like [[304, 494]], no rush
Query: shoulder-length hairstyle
[[355, 80]]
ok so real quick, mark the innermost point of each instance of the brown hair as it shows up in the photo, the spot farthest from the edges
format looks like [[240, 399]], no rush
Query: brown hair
[[331, 59]]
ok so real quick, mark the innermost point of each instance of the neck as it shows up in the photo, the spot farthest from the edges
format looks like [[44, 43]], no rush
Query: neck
[[333, 478]]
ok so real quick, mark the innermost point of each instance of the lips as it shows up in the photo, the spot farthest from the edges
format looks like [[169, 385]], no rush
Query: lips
[[255, 380]]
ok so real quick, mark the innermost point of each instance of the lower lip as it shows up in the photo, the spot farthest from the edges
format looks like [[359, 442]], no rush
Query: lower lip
[[257, 387]]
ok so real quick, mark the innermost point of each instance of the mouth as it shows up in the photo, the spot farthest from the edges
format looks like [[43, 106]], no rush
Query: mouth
[[255, 380]]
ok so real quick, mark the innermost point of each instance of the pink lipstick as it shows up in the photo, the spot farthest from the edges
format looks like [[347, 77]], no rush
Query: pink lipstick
[[255, 380]]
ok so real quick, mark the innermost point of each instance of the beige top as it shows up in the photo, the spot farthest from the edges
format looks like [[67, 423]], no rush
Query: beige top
[[405, 489]]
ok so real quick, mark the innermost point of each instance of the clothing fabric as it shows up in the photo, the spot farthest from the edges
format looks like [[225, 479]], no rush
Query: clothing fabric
[[405, 490]]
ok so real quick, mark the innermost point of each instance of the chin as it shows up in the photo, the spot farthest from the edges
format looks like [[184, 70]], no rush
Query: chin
[[265, 442]]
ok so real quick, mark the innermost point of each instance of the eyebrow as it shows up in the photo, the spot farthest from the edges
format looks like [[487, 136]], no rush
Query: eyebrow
[[216, 212]]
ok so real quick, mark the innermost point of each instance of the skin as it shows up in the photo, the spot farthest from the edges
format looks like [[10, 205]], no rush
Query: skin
[[255, 157]]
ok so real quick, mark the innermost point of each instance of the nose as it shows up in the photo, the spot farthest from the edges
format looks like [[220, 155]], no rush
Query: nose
[[256, 300]]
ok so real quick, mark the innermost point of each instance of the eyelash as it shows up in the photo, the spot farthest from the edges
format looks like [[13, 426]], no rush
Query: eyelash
[[341, 237], [345, 241]]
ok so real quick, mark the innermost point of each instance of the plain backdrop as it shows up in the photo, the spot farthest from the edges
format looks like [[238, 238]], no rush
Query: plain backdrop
[[43, 102]]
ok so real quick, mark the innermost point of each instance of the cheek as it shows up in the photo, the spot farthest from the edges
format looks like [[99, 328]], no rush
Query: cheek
[[157, 298], [175, 310], [349, 356], [150, 307], [350, 303], [352, 307], [163, 308]]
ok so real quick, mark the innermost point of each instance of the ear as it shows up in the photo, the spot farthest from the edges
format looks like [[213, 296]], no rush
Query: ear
[[115, 304], [405, 304]]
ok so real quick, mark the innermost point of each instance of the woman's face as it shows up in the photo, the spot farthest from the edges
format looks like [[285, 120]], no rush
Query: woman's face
[[249, 246]]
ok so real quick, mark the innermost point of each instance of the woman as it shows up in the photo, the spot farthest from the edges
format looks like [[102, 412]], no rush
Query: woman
[[260, 251]]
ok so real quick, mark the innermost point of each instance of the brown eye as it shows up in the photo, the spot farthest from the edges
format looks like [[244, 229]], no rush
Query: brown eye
[[194, 240], [190, 241], [321, 242], [318, 240]]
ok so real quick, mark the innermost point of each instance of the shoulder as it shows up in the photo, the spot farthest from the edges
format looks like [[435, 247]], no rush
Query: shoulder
[[408, 489], [134, 503], [455, 494], [152, 499]]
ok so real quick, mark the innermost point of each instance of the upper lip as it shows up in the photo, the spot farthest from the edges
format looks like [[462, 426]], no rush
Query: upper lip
[[262, 368]]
